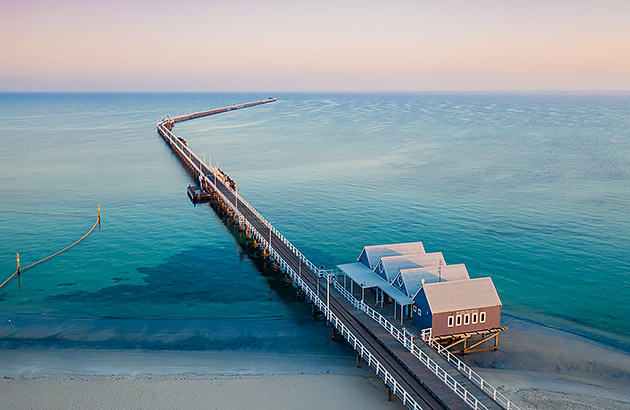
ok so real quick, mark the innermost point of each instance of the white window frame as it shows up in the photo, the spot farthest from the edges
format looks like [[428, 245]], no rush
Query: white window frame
[[458, 320], [474, 318], [482, 317], [467, 319], [451, 321]]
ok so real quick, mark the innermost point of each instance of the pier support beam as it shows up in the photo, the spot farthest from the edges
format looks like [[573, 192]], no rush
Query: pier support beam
[[300, 295], [358, 360], [335, 334], [316, 312], [19, 273]]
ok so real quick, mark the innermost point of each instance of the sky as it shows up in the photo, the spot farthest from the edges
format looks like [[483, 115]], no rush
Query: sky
[[274, 45]]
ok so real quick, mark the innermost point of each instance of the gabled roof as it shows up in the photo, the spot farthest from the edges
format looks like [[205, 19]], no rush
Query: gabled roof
[[389, 266], [372, 254], [460, 295], [412, 278]]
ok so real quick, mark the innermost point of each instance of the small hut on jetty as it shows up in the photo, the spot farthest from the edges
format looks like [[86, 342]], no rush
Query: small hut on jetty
[[461, 313]]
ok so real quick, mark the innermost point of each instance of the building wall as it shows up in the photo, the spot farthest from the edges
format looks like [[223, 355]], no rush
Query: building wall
[[380, 271], [440, 322], [420, 310], [364, 260], [400, 284]]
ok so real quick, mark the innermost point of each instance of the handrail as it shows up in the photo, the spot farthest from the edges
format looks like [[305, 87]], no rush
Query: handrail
[[468, 372], [390, 381], [401, 336], [405, 337]]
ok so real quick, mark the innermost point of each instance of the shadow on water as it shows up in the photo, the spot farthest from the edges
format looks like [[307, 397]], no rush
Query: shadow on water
[[199, 275], [197, 299]]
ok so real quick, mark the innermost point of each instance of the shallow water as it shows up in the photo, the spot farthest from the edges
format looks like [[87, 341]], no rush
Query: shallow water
[[531, 189]]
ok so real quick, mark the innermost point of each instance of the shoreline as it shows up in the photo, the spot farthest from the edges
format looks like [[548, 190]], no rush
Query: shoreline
[[541, 367], [236, 392], [536, 366], [27, 363], [112, 379]]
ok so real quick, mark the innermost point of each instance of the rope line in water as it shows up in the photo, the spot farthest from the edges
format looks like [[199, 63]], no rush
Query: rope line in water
[[6, 281], [47, 213], [98, 219]]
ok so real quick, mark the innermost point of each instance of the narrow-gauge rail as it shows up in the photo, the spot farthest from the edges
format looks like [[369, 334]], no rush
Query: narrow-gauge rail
[[411, 382]]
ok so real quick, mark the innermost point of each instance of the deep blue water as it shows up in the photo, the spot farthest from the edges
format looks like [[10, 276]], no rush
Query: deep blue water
[[530, 189]]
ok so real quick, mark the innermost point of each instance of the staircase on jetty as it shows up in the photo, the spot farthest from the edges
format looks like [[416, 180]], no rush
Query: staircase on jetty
[[421, 376]]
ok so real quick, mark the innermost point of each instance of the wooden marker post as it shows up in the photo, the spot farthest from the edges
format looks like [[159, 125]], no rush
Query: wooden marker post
[[18, 271], [99, 217]]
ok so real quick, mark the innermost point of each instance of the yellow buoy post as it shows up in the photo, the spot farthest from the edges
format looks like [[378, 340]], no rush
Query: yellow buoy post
[[99, 217], [18, 270]]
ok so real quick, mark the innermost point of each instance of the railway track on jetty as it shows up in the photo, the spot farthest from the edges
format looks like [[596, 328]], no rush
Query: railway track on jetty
[[420, 384]]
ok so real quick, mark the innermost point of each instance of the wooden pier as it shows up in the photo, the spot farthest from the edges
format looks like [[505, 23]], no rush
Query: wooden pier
[[420, 374]]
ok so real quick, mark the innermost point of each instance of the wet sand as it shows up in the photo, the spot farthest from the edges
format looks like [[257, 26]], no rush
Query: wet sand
[[236, 392], [536, 367], [544, 368], [109, 379]]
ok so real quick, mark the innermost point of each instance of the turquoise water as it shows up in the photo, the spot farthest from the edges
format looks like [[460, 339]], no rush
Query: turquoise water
[[531, 189]]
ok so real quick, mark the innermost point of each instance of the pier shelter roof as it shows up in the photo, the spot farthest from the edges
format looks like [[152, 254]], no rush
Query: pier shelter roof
[[389, 266], [372, 254], [461, 295], [366, 278], [410, 280]]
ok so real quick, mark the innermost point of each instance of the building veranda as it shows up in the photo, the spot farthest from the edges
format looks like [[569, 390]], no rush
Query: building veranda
[[420, 290]]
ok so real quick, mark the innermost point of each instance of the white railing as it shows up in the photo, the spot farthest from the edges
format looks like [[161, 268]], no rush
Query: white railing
[[406, 338], [467, 371], [364, 353]]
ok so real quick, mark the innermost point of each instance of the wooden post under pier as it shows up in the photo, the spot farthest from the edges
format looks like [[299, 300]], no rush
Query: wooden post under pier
[[367, 337], [18, 271]]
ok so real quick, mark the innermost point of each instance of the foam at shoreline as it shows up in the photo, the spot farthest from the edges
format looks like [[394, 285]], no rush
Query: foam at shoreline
[[537, 367]]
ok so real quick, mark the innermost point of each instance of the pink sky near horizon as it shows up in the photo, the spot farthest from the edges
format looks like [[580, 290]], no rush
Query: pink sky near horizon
[[316, 46]]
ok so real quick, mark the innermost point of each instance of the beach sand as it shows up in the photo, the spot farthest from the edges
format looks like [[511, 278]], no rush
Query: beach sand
[[544, 368], [237, 392], [536, 367], [110, 379]]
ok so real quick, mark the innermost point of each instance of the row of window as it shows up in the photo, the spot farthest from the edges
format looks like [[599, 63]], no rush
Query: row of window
[[466, 319]]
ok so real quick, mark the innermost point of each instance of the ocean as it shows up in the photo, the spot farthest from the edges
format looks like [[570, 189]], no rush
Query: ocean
[[532, 189]]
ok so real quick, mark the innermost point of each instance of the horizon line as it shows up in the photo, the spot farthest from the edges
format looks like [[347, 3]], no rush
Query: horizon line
[[315, 92]]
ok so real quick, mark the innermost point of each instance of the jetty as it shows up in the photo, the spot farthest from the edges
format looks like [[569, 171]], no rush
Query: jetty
[[414, 367]]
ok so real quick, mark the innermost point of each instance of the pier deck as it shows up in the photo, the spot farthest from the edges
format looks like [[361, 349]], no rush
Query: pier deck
[[416, 373]]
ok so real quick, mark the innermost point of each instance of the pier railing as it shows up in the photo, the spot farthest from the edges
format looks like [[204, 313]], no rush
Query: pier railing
[[407, 340], [468, 372], [364, 352], [405, 337]]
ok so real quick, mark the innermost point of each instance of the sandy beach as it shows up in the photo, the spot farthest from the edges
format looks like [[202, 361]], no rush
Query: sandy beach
[[61, 379], [237, 392], [536, 367], [544, 368]]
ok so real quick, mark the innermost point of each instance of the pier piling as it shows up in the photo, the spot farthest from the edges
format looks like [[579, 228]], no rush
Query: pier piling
[[411, 377], [18, 271]]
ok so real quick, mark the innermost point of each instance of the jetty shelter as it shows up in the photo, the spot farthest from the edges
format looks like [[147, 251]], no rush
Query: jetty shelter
[[460, 306], [420, 286], [409, 281], [389, 266], [367, 280], [371, 255]]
